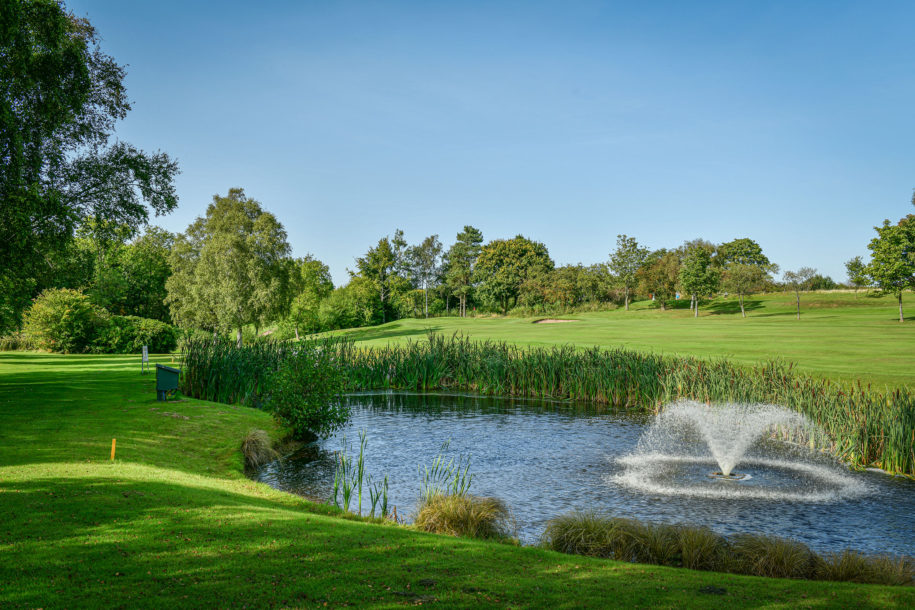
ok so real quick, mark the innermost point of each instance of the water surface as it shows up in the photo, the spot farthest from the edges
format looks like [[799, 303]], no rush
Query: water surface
[[545, 459]]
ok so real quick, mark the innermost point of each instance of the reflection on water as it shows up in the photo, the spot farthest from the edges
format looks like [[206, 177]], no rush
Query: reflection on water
[[545, 459]]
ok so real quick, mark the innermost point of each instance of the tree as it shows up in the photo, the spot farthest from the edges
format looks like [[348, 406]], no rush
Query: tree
[[698, 277], [504, 265], [383, 265], [626, 261], [459, 264], [60, 98], [744, 279], [659, 275], [798, 280], [423, 261], [310, 283], [892, 265], [744, 251], [857, 273], [229, 267]]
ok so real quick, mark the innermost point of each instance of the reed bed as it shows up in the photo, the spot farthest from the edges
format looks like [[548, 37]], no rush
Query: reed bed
[[865, 427]]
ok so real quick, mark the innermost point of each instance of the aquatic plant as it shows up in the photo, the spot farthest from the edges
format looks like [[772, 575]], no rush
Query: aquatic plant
[[350, 477], [866, 427]]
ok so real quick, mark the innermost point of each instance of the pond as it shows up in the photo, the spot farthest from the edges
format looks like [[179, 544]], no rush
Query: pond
[[545, 459]]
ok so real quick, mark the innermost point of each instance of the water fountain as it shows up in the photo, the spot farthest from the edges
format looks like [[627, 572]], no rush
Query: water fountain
[[695, 449]]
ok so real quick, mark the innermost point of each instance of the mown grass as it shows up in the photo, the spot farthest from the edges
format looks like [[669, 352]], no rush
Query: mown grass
[[838, 337], [173, 522]]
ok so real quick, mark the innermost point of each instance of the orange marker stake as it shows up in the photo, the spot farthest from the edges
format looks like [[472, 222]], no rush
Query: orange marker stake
[[114, 442]]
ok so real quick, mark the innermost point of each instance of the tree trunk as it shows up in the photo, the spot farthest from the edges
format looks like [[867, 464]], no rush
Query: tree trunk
[[798, 297], [238, 337], [696, 306], [296, 332], [426, 302], [740, 297], [901, 319], [627, 298]]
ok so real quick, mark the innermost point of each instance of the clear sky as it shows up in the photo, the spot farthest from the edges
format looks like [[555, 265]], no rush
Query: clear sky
[[568, 122]]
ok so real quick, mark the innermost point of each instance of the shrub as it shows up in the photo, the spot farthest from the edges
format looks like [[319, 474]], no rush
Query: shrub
[[892, 570], [257, 448], [63, 320], [304, 392], [771, 556], [467, 516], [128, 335], [16, 342], [701, 549]]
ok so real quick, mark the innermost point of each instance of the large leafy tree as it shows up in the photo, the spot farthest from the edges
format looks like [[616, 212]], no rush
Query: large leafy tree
[[459, 263], [424, 262], [743, 251], [384, 266], [626, 261], [659, 276], [60, 98], [229, 267], [504, 265], [892, 265], [310, 283], [746, 268]]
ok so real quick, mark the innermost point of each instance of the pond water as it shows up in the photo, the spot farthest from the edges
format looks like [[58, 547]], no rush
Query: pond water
[[545, 459]]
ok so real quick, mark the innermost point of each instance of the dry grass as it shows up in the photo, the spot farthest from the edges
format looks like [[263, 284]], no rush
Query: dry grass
[[771, 556]]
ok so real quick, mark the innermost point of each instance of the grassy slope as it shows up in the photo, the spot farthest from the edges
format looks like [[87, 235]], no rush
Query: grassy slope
[[173, 521], [838, 336]]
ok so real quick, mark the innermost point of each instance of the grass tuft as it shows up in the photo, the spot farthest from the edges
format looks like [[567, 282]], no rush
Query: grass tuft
[[771, 556], [466, 516], [258, 448]]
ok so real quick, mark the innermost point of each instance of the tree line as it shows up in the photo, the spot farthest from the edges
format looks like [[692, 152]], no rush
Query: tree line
[[75, 203]]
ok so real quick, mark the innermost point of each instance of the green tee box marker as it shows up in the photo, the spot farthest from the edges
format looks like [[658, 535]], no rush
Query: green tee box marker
[[166, 381]]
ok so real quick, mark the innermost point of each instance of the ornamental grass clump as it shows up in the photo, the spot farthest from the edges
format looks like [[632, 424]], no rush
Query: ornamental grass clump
[[258, 448], [467, 516], [771, 556]]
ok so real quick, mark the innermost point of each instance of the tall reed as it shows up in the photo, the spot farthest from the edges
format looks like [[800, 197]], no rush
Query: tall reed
[[866, 427]]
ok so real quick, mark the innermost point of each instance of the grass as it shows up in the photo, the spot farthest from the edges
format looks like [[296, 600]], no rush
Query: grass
[[838, 337], [173, 522]]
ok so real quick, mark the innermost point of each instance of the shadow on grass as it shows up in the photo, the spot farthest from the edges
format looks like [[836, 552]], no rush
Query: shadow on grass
[[731, 307], [390, 331]]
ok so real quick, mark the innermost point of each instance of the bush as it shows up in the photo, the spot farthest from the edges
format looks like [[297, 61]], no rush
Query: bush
[[128, 335], [16, 342], [257, 448], [465, 515], [63, 320], [304, 392]]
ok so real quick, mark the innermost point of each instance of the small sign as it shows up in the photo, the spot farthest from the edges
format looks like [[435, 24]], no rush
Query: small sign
[[144, 364]]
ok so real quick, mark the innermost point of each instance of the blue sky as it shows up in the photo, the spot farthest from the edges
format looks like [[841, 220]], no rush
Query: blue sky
[[568, 122]]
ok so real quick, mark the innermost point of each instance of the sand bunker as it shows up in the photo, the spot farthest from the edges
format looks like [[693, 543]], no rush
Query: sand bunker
[[553, 321]]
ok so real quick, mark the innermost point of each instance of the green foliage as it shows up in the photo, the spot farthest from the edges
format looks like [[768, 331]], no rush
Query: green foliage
[[60, 98], [465, 515], [350, 477], [423, 263], [504, 265], [229, 268], [383, 266], [309, 284], [659, 276], [698, 277], [356, 304], [744, 279], [304, 393], [445, 477], [128, 335], [892, 265], [16, 342], [63, 320], [743, 251], [857, 273], [626, 261], [459, 263]]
